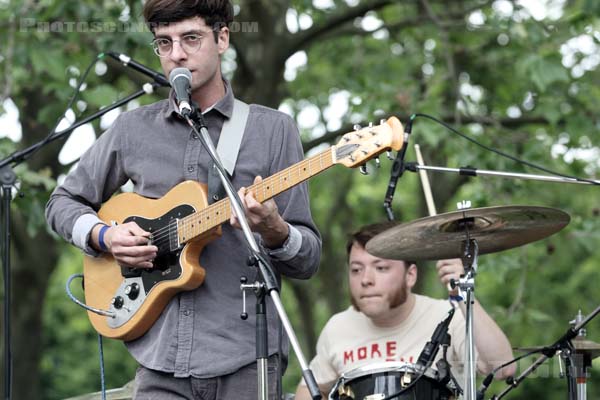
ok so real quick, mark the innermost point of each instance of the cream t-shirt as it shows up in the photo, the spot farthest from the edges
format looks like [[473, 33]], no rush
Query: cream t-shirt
[[350, 340]]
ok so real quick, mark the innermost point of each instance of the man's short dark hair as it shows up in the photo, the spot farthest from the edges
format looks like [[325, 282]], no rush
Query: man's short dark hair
[[216, 13], [368, 232]]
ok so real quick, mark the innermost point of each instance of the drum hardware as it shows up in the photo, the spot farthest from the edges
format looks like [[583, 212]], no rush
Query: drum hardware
[[574, 349], [405, 381], [432, 347], [581, 354], [390, 245], [408, 374], [391, 380], [466, 234], [442, 236], [345, 392]]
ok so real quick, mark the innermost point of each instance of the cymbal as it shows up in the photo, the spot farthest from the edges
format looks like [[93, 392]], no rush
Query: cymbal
[[582, 346], [442, 236]]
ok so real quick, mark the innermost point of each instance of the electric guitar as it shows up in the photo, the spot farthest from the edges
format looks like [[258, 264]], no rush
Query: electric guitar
[[128, 301]]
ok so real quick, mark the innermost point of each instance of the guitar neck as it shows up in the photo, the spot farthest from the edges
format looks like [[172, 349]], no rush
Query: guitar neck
[[196, 224]]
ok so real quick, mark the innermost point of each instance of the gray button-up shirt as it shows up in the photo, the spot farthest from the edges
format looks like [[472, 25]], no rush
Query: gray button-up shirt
[[200, 332]]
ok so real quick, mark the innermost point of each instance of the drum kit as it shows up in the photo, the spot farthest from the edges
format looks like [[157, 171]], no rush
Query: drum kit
[[466, 234]]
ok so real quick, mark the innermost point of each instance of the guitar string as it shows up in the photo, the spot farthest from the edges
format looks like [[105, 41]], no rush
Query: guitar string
[[163, 235]]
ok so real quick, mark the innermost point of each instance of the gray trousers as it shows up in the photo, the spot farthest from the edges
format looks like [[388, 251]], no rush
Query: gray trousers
[[242, 384]]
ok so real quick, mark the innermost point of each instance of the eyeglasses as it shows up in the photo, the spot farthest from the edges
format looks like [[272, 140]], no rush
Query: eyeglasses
[[190, 43]]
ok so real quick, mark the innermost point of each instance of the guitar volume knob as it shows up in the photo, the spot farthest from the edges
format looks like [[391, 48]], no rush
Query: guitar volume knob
[[117, 302], [132, 291]]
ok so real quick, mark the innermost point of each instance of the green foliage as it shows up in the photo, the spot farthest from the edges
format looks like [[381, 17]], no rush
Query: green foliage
[[422, 60]]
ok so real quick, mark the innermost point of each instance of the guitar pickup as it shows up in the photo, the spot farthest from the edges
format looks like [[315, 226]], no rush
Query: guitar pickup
[[127, 272]]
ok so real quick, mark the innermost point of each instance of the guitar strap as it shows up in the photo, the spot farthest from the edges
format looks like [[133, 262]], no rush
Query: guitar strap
[[228, 149]]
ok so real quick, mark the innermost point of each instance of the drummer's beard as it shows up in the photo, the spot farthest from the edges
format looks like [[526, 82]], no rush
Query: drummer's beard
[[396, 301]]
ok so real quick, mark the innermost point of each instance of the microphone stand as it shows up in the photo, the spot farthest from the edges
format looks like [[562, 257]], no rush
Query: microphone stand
[[468, 171], [564, 344], [7, 180], [269, 284], [466, 285]]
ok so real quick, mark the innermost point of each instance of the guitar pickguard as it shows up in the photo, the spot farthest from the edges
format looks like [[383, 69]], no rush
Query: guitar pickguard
[[137, 282]]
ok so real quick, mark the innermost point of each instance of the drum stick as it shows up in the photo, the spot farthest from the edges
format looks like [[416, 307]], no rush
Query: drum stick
[[427, 190], [425, 183]]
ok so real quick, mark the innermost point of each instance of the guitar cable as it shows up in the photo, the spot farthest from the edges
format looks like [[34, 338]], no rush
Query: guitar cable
[[102, 312]]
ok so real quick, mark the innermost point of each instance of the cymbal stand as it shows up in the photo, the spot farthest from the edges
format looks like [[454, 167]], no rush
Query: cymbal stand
[[582, 362], [564, 344], [466, 286]]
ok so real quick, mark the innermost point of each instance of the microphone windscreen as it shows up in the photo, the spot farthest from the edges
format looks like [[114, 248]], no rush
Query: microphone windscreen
[[180, 72]]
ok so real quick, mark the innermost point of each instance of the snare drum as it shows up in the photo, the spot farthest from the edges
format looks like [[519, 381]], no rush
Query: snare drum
[[377, 381]]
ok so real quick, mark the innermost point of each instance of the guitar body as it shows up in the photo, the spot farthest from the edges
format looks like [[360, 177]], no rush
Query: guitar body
[[138, 296]]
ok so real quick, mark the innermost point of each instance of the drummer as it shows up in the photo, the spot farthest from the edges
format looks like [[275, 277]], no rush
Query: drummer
[[388, 322]]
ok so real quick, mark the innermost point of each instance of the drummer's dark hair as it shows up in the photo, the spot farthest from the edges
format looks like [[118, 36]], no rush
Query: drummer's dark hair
[[367, 232]]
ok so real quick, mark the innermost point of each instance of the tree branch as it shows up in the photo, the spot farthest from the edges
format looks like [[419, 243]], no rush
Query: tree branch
[[302, 39], [449, 55]]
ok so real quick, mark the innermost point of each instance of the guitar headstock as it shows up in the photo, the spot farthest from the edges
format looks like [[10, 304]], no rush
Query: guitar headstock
[[357, 147]]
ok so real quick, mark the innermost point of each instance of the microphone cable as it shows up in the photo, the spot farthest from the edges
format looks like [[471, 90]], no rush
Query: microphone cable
[[501, 153], [487, 381]]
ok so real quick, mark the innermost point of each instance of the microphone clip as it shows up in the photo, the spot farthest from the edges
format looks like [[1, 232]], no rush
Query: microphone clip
[[398, 168]]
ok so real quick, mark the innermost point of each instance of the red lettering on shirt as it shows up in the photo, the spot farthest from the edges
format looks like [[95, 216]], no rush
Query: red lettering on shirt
[[390, 349], [348, 356], [375, 350], [362, 353]]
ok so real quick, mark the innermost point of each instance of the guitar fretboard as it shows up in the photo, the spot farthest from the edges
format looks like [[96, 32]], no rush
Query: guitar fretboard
[[204, 220]]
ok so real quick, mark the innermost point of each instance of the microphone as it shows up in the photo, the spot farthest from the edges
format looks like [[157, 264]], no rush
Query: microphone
[[128, 62], [431, 348], [485, 384], [398, 169], [181, 82]]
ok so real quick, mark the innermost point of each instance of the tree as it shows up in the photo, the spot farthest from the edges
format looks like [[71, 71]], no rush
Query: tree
[[519, 83]]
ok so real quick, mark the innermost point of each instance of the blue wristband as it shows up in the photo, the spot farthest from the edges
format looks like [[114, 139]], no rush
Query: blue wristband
[[101, 238], [456, 298]]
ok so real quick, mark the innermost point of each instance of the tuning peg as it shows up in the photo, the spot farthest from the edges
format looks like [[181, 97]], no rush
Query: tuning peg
[[389, 155], [363, 169], [382, 121], [370, 124], [356, 127], [377, 162]]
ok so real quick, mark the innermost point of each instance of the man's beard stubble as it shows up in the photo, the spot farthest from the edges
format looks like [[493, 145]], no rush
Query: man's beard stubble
[[397, 300]]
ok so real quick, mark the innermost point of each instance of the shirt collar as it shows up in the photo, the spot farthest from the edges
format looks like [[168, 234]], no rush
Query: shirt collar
[[224, 106]]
